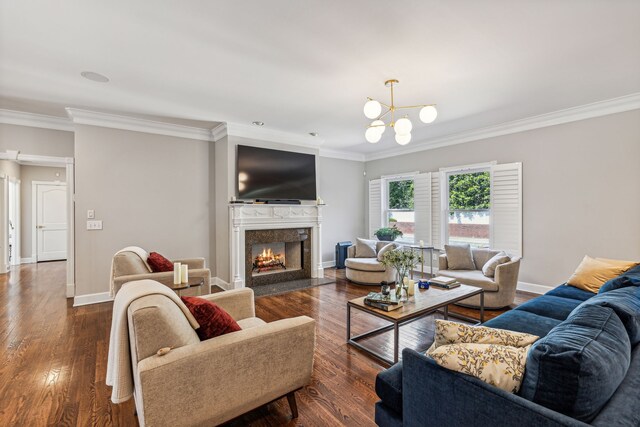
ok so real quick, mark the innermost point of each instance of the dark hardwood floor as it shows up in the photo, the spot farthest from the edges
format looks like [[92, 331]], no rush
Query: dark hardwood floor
[[53, 356]]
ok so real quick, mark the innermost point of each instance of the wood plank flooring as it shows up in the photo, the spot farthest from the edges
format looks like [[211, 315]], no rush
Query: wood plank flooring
[[53, 356]]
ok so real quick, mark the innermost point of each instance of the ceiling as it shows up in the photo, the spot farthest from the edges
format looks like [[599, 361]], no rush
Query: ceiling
[[308, 66]]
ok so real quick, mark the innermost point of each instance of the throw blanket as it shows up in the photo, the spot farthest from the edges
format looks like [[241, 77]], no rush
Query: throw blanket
[[119, 370], [136, 250]]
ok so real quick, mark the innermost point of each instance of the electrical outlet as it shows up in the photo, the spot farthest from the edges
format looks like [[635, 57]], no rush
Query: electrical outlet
[[91, 214], [94, 225]]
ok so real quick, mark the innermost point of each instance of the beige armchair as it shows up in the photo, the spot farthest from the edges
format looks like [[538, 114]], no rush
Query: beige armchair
[[128, 266], [499, 291], [367, 271], [213, 381]]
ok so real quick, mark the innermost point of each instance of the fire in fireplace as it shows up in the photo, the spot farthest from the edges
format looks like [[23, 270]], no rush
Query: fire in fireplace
[[268, 258]]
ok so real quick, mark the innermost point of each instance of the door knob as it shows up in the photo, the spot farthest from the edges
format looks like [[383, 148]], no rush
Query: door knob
[[39, 226]]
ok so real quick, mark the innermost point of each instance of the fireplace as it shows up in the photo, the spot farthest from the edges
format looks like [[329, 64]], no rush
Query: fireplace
[[277, 255]]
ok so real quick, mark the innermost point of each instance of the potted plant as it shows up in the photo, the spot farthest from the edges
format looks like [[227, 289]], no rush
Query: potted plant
[[388, 233], [403, 260]]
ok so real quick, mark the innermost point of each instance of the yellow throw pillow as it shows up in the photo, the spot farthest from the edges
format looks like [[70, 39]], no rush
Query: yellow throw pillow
[[592, 273], [499, 365], [448, 332]]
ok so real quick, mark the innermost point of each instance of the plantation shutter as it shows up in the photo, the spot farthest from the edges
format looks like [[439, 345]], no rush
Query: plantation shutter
[[436, 212], [375, 206], [422, 207], [506, 208]]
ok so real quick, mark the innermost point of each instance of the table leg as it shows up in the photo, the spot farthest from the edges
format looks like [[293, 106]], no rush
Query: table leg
[[482, 307], [422, 256], [431, 262], [348, 322], [445, 312], [396, 341]]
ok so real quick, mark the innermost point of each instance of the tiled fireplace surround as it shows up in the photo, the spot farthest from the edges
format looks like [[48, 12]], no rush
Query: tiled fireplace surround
[[253, 224]]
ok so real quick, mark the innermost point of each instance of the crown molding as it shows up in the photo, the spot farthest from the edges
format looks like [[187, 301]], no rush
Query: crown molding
[[21, 118], [596, 109], [344, 155], [265, 134], [36, 160], [94, 118]]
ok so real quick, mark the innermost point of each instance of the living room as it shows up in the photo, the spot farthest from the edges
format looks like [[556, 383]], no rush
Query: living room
[[262, 145]]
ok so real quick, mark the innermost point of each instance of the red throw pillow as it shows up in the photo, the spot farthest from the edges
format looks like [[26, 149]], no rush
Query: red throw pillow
[[159, 263], [213, 320]]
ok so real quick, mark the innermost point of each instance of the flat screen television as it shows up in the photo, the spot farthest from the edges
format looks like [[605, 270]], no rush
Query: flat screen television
[[275, 174]]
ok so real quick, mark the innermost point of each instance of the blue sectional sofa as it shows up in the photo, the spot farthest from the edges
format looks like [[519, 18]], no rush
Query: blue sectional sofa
[[585, 369]]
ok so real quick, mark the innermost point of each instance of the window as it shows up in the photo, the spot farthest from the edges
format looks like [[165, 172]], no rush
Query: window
[[469, 208], [400, 207]]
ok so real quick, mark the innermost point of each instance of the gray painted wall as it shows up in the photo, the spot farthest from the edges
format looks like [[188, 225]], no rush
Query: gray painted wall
[[149, 190], [580, 189], [28, 174], [341, 185], [36, 141]]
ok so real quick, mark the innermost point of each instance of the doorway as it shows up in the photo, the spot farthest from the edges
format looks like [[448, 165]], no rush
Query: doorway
[[50, 220]]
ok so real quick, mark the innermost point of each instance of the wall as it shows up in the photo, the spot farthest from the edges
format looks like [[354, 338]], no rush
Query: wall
[[28, 175], [149, 190], [8, 169], [36, 141], [341, 184], [580, 189]]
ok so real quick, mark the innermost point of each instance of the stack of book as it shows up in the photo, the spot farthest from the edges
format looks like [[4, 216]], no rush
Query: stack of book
[[444, 282], [382, 302]]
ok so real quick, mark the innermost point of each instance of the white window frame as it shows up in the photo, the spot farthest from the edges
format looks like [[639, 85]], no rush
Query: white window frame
[[386, 180]]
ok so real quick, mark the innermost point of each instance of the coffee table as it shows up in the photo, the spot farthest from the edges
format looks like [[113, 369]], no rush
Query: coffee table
[[424, 303]]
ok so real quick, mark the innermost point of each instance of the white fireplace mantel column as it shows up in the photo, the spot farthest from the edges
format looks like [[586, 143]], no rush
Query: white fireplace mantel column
[[269, 217]]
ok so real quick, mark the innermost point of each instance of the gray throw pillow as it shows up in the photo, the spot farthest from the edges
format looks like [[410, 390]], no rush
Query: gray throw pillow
[[386, 248], [365, 248], [489, 268], [459, 257]]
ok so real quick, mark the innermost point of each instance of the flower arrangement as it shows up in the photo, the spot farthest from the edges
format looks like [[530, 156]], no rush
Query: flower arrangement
[[403, 260]]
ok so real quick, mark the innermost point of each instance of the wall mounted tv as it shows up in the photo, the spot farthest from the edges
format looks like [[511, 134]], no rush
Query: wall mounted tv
[[275, 174]]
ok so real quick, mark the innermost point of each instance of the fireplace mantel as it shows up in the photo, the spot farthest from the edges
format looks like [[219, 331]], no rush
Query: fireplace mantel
[[266, 217]]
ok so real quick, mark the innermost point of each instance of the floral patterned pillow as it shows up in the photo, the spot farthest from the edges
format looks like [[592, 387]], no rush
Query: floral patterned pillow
[[496, 356]]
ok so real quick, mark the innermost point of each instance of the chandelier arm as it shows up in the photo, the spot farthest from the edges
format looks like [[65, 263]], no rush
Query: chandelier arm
[[387, 112], [415, 106]]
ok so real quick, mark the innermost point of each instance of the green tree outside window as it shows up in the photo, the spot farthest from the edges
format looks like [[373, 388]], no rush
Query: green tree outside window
[[401, 194]]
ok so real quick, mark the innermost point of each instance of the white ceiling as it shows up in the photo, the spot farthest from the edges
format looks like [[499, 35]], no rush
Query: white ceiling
[[303, 66]]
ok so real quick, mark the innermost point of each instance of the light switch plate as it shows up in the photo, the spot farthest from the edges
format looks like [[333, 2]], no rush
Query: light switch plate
[[94, 225], [91, 214]]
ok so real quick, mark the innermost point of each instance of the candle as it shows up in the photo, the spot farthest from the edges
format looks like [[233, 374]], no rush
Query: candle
[[233, 198], [421, 243], [184, 273], [177, 273], [412, 288]]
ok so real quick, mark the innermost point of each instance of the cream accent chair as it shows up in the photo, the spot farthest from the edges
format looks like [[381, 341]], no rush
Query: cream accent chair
[[209, 382], [127, 267], [368, 271], [499, 291]]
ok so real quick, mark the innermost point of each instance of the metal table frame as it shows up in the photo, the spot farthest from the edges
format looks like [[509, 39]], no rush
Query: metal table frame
[[396, 323]]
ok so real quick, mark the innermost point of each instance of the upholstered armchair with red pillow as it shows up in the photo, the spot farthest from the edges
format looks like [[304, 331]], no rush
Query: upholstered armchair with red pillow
[[134, 263]]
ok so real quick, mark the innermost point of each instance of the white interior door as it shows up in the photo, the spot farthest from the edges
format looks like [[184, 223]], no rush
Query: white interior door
[[51, 221]]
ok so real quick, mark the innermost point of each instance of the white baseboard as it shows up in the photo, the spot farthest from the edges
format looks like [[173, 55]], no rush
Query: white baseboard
[[533, 288], [71, 289], [329, 264], [29, 260], [221, 283], [91, 299]]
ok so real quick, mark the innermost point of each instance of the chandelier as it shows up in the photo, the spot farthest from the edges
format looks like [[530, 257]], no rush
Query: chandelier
[[402, 126]]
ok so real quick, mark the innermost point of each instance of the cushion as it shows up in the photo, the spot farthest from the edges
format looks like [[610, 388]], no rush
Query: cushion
[[570, 292], [626, 303], [489, 268], [365, 264], [630, 277], [386, 248], [459, 257], [482, 255], [158, 263], [495, 356], [579, 365], [365, 248], [213, 320], [524, 321], [473, 278], [389, 387], [592, 273], [550, 306]]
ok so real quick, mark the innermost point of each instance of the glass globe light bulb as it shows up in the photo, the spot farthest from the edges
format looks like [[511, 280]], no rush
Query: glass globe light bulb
[[428, 114], [372, 135], [372, 109], [403, 139], [403, 126], [378, 125]]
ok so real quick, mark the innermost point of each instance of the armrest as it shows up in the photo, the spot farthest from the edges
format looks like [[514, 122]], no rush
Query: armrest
[[432, 395], [507, 274], [223, 377], [442, 262], [191, 262], [239, 303], [351, 251]]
